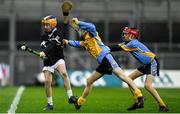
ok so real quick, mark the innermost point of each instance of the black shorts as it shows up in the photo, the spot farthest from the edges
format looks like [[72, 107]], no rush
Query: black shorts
[[151, 68], [107, 65]]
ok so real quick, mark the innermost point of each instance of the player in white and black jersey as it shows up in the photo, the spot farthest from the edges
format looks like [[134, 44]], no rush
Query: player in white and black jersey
[[52, 46], [52, 49]]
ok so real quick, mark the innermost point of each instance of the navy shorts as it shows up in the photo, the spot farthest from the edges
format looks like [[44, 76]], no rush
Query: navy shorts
[[151, 68], [107, 64]]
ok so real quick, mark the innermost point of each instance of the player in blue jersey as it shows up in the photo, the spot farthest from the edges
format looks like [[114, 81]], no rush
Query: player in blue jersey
[[148, 60], [91, 41]]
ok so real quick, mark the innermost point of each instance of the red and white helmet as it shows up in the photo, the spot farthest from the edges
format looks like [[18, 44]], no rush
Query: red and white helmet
[[132, 31]]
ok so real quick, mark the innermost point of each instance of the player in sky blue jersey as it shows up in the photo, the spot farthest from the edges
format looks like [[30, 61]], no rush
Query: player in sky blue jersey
[[91, 41], [148, 60]]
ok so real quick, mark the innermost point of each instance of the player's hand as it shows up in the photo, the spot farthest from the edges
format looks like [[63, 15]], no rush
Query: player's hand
[[74, 23], [65, 42], [74, 20], [42, 55]]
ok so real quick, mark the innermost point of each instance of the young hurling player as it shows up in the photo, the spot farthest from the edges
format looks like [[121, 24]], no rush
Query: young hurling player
[[149, 64], [52, 48], [93, 44]]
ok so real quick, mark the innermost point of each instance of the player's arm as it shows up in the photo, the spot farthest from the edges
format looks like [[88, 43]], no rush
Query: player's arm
[[122, 47], [49, 47], [76, 24], [43, 46], [73, 43], [115, 47]]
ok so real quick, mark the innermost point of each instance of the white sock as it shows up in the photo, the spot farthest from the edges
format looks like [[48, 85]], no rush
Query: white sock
[[50, 100], [69, 93]]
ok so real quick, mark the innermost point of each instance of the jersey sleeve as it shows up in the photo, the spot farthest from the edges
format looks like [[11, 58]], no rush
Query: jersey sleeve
[[89, 27], [75, 43], [43, 42], [129, 47]]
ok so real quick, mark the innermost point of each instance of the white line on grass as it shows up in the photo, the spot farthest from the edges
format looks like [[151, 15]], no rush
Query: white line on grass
[[16, 100]]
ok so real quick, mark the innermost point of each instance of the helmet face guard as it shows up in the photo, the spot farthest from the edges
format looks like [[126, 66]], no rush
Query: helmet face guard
[[49, 23], [130, 33]]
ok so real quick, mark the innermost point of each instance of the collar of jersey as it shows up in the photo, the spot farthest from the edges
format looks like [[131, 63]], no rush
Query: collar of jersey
[[52, 32]]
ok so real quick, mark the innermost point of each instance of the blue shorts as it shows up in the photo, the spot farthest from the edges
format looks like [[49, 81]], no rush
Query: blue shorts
[[107, 65], [151, 68]]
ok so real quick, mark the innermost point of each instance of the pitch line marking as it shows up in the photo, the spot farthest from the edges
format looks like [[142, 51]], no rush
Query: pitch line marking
[[16, 100]]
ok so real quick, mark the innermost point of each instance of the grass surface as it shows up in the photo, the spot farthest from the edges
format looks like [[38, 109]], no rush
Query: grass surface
[[100, 100], [6, 97]]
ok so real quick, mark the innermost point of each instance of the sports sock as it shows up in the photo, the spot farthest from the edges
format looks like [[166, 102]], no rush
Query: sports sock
[[161, 103], [69, 93], [81, 101], [50, 100], [138, 93]]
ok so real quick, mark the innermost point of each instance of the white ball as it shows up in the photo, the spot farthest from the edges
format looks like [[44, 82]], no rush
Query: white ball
[[23, 47], [40, 77]]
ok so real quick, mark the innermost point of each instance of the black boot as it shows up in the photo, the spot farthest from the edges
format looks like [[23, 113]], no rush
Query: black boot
[[138, 105], [163, 109], [73, 100]]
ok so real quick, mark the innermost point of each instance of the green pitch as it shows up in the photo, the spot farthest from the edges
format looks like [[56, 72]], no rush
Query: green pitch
[[6, 97], [104, 100]]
